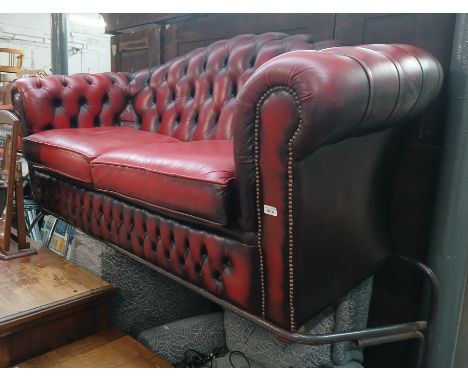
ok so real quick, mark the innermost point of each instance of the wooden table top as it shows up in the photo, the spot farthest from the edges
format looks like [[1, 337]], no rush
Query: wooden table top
[[38, 283], [108, 348]]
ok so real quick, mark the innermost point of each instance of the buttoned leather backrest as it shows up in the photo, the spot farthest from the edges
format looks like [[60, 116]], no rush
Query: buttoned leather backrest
[[190, 98], [61, 102], [193, 96]]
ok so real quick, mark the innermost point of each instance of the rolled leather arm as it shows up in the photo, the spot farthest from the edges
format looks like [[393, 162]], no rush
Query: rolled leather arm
[[292, 106], [79, 100], [340, 92]]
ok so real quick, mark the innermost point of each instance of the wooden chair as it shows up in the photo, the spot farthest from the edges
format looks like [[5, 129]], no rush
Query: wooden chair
[[15, 60]]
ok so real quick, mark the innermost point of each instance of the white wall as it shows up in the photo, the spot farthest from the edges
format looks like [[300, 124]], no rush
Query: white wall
[[88, 46]]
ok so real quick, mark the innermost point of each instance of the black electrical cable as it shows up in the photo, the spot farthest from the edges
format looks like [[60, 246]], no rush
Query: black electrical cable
[[193, 358], [238, 353]]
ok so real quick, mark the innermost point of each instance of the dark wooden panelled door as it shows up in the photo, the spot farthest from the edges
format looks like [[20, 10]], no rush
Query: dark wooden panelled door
[[183, 37], [136, 50]]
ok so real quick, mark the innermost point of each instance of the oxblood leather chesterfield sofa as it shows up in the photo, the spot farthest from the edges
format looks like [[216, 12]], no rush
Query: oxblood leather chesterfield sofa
[[255, 171]]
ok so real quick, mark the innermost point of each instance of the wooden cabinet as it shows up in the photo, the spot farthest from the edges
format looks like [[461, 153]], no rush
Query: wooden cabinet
[[183, 37], [47, 302], [142, 40], [137, 50], [117, 23]]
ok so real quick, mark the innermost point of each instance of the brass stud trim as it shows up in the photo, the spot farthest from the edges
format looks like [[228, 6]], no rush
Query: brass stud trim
[[290, 204]]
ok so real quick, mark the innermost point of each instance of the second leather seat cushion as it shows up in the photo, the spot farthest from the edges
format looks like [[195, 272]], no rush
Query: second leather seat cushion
[[191, 180], [69, 151]]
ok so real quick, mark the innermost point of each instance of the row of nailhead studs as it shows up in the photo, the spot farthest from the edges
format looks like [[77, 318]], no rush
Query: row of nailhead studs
[[290, 200]]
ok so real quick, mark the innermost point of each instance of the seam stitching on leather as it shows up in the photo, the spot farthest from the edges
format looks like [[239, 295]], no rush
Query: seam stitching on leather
[[64, 148], [159, 207], [225, 183], [401, 83], [52, 170]]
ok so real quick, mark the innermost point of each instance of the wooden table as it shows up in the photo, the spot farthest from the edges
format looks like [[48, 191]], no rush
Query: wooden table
[[109, 348], [47, 302]]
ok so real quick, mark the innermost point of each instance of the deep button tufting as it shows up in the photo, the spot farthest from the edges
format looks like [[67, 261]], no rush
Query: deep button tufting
[[82, 101], [182, 260], [203, 253], [227, 262], [127, 93], [198, 268], [96, 121], [74, 121], [57, 102], [216, 276]]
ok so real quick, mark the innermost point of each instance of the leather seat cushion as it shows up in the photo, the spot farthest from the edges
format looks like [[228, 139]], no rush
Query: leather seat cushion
[[69, 151], [191, 180]]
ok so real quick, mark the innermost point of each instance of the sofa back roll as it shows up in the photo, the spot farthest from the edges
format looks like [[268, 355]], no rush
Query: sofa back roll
[[191, 97]]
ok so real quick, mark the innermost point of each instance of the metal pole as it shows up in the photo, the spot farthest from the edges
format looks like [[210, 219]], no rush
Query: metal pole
[[448, 255], [58, 25]]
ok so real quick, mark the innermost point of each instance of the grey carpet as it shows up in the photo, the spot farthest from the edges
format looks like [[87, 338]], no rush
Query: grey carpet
[[145, 298]]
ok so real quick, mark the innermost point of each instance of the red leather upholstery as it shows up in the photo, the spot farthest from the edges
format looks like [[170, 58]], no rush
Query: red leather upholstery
[[188, 179], [69, 152], [224, 267], [292, 106], [190, 98], [193, 96], [79, 100], [311, 181]]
